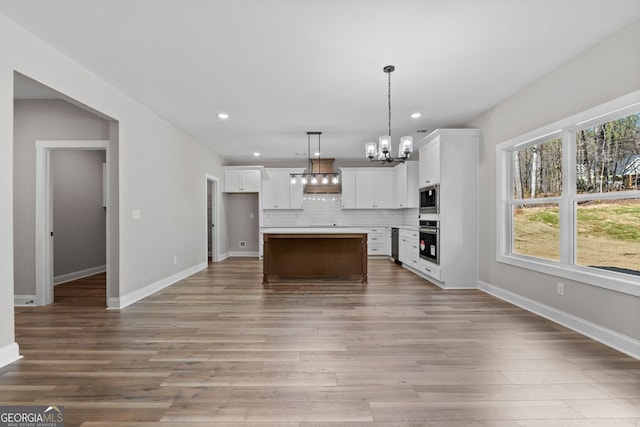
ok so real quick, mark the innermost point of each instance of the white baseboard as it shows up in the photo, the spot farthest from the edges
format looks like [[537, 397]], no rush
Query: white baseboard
[[9, 354], [223, 256], [24, 300], [243, 254], [613, 339], [64, 278], [124, 301]]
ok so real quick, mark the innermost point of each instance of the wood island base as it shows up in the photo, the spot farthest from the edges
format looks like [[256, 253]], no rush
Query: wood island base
[[322, 255]]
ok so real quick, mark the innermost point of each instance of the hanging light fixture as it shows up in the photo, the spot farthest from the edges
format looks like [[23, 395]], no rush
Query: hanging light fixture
[[382, 151], [311, 176]]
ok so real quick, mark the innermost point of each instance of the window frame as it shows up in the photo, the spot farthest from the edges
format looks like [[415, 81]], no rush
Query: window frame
[[565, 129]]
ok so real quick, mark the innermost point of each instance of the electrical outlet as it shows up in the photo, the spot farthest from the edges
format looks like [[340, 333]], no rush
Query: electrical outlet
[[175, 259], [243, 244], [560, 288]]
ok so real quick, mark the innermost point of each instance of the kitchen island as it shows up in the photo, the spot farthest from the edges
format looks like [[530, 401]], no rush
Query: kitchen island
[[314, 253]]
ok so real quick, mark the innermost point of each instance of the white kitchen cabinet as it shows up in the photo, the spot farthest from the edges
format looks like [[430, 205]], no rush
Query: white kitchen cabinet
[[406, 185], [408, 252], [242, 179], [400, 199], [383, 186], [367, 188], [277, 190], [377, 241], [348, 180], [456, 153], [430, 162]]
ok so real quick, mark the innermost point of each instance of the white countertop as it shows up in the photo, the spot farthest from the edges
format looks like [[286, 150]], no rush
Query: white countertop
[[312, 230], [331, 229]]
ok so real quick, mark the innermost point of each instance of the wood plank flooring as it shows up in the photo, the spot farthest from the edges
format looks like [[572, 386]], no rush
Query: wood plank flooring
[[217, 349]]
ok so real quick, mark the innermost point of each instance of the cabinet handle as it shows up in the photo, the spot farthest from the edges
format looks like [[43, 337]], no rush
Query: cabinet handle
[[427, 269]]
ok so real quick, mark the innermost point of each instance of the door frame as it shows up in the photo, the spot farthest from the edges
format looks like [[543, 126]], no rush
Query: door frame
[[212, 232], [44, 212]]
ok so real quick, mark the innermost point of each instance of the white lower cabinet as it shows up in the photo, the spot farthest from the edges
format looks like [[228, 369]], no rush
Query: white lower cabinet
[[377, 241], [430, 269], [408, 247]]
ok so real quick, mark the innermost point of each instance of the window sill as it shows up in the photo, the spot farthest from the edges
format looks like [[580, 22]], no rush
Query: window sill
[[617, 282]]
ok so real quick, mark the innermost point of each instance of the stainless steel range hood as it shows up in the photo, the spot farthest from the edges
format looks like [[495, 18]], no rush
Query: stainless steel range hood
[[322, 166]]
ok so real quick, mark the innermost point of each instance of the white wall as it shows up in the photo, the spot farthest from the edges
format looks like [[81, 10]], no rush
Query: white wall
[[607, 71], [161, 172]]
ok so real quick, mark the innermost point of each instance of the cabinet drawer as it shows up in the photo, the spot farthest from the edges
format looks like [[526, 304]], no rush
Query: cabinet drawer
[[377, 250], [414, 263], [430, 269]]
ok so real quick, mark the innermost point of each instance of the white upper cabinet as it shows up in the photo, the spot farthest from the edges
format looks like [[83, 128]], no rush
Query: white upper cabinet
[[367, 188], [406, 185], [430, 163], [242, 179], [365, 192], [400, 200], [277, 190], [348, 180], [383, 185]]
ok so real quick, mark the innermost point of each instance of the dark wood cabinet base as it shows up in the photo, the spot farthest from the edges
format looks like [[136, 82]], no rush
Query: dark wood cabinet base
[[315, 255]]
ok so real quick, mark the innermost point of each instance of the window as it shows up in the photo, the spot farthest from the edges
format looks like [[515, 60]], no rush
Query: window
[[537, 182], [607, 162], [608, 156], [608, 235], [570, 197]]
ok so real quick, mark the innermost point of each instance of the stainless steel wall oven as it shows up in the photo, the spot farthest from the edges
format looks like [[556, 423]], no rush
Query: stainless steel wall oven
[[430, 240]]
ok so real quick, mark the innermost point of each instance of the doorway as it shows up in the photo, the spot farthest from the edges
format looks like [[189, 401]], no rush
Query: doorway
[[213, 215], [45, 232]]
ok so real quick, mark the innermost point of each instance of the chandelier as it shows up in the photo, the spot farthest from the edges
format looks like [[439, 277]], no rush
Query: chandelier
[[382, 152], [311, 176]]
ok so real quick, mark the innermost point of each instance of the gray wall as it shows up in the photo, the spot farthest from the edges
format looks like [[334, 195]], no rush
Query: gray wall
[[79, 218], [605, 72], [240, 225], [40, 120]]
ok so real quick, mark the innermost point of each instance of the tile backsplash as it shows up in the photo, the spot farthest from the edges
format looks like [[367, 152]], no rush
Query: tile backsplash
[[325, 209]]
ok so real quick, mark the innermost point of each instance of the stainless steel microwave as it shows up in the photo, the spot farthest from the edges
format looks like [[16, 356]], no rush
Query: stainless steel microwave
[[430, 199]]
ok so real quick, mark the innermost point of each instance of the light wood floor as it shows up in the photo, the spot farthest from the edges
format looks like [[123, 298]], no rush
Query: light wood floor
[[219, 350]]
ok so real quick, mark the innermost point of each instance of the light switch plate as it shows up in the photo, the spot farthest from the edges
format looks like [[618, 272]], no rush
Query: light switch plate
[[136, 214]]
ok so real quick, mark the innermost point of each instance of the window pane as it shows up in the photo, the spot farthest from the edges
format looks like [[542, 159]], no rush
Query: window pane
[[608, 156], [608, 235], [536, 231], [537, 170]]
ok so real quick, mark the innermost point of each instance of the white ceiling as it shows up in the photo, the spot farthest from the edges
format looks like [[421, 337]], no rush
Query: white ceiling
[[284, 67]]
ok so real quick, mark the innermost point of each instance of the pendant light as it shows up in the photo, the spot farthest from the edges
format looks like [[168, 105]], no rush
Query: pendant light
[[310, 176], [382, 152]]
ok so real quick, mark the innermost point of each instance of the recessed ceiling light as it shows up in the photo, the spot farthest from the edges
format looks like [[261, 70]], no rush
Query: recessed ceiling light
[[416, 115], [256, 154], [223, 116]]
